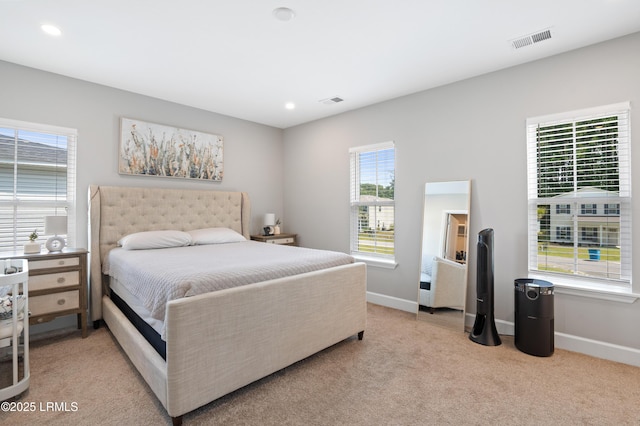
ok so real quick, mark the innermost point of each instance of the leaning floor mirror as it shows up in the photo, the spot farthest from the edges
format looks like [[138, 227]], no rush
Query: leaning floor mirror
[[445, 243]]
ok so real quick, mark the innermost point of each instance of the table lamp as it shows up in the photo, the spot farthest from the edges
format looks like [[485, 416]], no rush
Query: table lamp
[[269, 223], [55, 225]]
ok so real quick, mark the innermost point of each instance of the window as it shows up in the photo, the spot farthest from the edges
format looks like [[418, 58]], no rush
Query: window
[[563, 233], [372, 201], [589, 235], [37, 179], [612, 209], [579, 196]]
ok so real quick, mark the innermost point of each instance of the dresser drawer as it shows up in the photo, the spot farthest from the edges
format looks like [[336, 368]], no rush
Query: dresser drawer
[[56, 302], [61, 279], [53, 263], [288, 240]]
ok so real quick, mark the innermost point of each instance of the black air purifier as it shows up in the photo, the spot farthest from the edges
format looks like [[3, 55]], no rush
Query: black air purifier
[[534, 316], [484, 329]]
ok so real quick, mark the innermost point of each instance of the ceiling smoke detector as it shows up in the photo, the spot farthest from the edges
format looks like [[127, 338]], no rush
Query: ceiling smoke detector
[[531, 39], [284, 14], [331, 101]]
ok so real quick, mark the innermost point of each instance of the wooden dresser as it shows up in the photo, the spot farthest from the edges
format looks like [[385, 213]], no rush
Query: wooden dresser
[[285, 239], [57, 285]]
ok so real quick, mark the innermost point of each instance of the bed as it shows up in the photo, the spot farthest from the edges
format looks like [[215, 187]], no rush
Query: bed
[[219, 341]]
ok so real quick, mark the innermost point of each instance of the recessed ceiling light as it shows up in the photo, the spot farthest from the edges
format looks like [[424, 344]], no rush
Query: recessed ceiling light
[[284, 14], [290, 105], [51, 30]]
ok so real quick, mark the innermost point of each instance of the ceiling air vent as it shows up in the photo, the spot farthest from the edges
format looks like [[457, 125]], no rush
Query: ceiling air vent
[[331, 101], [531, 39]]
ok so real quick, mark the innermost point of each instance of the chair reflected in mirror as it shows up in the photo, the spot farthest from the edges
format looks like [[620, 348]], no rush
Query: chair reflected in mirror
[[445, 243], [446, 286]]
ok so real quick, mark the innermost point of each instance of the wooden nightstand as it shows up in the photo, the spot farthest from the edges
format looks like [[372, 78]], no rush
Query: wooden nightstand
[[285, 239], [57, 285]]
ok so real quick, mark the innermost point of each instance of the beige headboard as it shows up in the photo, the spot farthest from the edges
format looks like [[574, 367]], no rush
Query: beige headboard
[[117, 211]]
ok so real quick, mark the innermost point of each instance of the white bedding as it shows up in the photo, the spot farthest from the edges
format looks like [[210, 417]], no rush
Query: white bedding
[[157, 276]]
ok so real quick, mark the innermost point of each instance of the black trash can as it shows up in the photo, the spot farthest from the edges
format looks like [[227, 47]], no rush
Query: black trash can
[[534, 316]]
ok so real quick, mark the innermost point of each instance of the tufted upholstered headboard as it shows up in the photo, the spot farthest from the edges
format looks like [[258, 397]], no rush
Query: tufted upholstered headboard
[[117, 211]]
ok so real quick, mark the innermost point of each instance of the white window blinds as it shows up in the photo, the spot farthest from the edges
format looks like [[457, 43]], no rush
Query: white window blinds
[[372, 200], [579, 191], [37, 179]]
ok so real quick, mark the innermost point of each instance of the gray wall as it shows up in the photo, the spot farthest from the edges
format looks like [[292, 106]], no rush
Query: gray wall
[[252, 152], [474, 129]]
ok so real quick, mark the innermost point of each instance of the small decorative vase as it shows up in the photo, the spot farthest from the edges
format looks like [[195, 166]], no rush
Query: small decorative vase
[[32, 248], [276, 230]]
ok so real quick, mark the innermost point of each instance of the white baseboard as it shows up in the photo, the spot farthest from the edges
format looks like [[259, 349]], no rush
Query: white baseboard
[[598, 349], [594, 348], [393, 302]]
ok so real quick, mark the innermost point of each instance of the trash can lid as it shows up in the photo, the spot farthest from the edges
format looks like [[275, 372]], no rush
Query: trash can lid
[[532, 282]]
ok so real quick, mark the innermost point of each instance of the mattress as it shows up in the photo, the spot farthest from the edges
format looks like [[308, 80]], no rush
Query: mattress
[[149, 279], [135, 305], [152, 336]]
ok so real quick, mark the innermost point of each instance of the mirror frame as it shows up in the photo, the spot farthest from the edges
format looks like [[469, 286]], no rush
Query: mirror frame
[[440, 189]]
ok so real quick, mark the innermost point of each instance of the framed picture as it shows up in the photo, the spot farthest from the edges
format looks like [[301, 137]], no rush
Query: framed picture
[[151, 149]]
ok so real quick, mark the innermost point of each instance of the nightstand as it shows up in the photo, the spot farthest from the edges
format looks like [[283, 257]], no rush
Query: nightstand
[[57, 285], [285, 239]]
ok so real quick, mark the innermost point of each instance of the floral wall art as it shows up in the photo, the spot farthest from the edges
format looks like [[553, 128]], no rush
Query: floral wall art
[[157, 150]]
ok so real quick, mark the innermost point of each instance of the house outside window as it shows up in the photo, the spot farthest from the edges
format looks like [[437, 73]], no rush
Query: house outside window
[[37, 179], [579, 162], [373, 201]]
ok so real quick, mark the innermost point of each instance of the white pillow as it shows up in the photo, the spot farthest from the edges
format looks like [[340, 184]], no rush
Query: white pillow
[[215, 236], [154, 240]]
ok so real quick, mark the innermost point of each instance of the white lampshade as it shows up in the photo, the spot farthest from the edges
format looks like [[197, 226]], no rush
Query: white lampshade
[[269, 219], [55, 225]]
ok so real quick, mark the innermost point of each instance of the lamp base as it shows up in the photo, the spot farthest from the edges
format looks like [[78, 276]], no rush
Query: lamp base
[[55, 244]]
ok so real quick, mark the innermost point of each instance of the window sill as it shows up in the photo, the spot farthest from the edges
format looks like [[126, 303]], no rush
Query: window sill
[[594, 290], [376, 261]]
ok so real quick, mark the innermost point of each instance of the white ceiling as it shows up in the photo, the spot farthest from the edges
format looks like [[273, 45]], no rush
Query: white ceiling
[[234, 58]]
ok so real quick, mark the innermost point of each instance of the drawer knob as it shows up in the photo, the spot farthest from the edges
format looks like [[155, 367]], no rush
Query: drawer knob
[[60, 280], [61, 302], [61, 262]]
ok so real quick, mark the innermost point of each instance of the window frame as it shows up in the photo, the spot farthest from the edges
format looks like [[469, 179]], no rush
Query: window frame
[[68, 206], [356, 205], [600, 287]]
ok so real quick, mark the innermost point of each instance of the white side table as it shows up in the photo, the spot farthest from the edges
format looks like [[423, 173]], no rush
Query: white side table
[[14, 322]]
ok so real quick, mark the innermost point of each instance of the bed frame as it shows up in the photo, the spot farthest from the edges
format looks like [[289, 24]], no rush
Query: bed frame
[[218, 342]]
